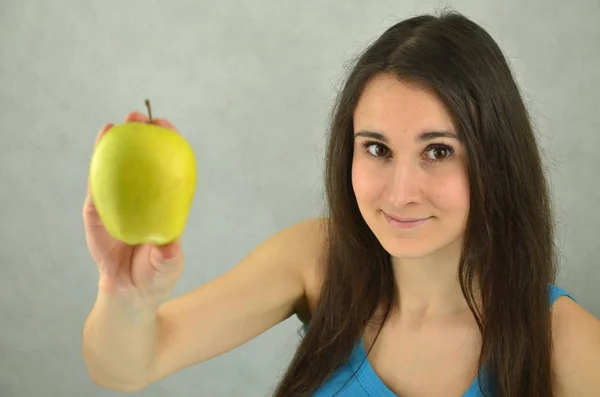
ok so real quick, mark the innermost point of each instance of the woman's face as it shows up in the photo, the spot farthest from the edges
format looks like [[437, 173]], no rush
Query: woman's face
[[408, 163]]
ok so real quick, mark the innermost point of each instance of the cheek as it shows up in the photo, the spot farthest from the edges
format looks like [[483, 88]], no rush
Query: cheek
[[451, 194], [365, 182]]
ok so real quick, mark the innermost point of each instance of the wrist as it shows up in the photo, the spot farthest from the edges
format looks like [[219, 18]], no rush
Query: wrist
[[129, 303]]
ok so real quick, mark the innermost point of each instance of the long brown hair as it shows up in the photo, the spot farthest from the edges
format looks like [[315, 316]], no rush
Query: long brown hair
[[509, 239]]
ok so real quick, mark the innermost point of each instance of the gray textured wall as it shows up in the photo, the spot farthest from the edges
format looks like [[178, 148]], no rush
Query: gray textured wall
[[250, 84]]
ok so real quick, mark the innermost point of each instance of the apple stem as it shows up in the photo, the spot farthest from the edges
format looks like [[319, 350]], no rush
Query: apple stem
[[149, 110]]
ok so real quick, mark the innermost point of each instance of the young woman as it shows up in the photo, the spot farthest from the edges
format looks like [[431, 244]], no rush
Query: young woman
[[432, 274]]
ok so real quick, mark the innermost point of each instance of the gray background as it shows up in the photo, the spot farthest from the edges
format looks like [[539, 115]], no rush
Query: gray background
[[250, 85]]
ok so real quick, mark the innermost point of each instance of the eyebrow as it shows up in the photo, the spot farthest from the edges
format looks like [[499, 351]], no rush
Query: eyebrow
[[425, 136]]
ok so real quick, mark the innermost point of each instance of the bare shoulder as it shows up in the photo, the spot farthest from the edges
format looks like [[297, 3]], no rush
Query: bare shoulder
[[576, 339], [311, 236], [307, 238], [303, 243]]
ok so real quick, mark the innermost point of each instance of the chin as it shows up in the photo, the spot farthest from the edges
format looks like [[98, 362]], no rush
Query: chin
[[408, 252], [409, 248]]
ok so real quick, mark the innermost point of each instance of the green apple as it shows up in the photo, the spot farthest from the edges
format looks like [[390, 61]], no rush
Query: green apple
[[142, 180]]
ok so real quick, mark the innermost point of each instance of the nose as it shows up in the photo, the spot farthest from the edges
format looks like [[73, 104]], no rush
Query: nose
[[404, 187]]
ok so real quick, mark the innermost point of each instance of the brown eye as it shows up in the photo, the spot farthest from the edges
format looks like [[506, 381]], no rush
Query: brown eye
[[380, 150], [439, 153], [375, 149]]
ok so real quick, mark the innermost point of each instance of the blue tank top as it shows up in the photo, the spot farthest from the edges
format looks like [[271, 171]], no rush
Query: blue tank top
[[366, 383]]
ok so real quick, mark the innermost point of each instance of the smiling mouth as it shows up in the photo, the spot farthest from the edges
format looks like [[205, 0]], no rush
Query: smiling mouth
[[405, 223]]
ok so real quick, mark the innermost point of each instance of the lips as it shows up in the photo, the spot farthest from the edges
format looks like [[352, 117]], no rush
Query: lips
[[406, 220], [405, 224]]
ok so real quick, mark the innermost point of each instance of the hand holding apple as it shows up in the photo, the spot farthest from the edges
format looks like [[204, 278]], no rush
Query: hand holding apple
[[140, 188]]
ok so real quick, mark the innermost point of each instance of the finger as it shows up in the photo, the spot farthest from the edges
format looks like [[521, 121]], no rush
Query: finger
[[103, 131], [136, 116], [164, 123]]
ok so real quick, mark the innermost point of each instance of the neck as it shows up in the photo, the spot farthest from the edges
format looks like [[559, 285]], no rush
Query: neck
[[428, 287]]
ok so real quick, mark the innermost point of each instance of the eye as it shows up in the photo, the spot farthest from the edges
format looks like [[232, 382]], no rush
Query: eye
[[375, 149], [439, 153]]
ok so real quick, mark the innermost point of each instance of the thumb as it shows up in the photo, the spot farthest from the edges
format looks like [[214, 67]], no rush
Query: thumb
[[165, 257]]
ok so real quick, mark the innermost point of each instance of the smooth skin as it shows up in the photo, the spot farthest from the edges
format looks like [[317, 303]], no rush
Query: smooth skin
[[279, 278]]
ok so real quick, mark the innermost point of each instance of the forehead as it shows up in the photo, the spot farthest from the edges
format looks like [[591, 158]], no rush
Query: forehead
[[389, 105]]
